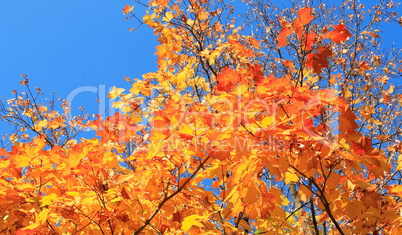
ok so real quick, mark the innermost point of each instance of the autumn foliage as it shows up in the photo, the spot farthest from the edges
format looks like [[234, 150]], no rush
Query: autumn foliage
[[287, 129]]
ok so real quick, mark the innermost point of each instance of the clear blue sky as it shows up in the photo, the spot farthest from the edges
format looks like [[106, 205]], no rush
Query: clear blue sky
[[64, 45]]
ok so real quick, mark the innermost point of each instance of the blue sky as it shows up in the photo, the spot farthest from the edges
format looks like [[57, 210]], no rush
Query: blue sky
[[65, 45]]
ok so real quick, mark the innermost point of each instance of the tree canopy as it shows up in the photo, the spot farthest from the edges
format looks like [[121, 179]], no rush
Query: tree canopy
[[260, 119]]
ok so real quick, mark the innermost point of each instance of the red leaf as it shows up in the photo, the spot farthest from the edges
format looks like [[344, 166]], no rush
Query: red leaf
[[177, 217], [319, 60], [124, 193], [358, 149], [362, 146], [164, 227]]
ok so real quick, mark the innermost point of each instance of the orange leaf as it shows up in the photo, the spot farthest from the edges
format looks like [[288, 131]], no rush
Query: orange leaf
[[220, 154], [227, 79], [286, 31], [127, 9], [25, 232], [305, 16], [310, 40], [24, 82], [340, 34], [347, 121], [252, 193]]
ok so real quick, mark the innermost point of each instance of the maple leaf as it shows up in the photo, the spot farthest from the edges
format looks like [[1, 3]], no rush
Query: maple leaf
[[227, 79], [192, 220], [304, 18], [363, 146], [124, 193], [176, 217], [286, 31], [164, 227], [310, 40], [158, 180], [186, 133], [47, 200], [251, 193], [115, 92], [397, 190], [318, 60], [339, 35], [161, 3], [290, 177], [220, 154], [347, 121], [127, 9]]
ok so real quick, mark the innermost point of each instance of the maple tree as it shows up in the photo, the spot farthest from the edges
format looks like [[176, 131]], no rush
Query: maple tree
[[277, 121]]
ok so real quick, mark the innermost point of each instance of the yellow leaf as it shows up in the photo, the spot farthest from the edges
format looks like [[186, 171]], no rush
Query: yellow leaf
[[399, 167], [397, 190], [192, 220], [31, 226], [180, 79], [47, 200], [13, 138], [26, 186], [42, 217], [391, 89], [140, 86], [168, 16], [4, 163], [343, 144], [22, 160], [41, 124], [213, 56], [186, 132], [290, 177], [203, 15], [285, 201], [27, 112], [73, 193], [155, 147], [267, 121], [115, 92]]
